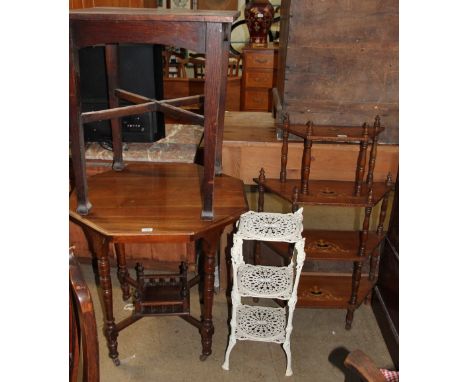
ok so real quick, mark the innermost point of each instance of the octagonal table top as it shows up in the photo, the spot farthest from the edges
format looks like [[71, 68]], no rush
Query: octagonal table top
[[158, 202]]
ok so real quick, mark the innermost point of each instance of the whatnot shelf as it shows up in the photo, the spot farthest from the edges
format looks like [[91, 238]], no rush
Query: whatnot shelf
[[332, 290], [327, 192], [329, 245], [160, 294], [330, 133]]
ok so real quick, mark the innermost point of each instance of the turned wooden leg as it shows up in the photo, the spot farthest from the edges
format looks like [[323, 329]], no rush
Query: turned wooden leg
[[122, 270], [284, 148], [185, 292], [356, 280], [210, 246], [112, 68], [261, 191], [76, 132], [100, 247], [374, 262], [306, 158], [225, 262], [361, 165], [373, 155]]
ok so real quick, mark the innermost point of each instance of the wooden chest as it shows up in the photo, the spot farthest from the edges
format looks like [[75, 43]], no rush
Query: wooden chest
[[338, 62], [258, 77]]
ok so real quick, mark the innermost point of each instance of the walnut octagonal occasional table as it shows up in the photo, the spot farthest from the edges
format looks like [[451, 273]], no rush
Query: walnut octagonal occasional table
[[153, 203]]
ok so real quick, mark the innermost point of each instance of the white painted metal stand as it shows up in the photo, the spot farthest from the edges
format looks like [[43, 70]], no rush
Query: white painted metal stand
[[258, 323]]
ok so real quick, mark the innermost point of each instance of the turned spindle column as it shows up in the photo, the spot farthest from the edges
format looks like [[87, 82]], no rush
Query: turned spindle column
[[384, 206], [184, 292], [373, 155], [99, 245], [122, 270], [209, 246], [295, 199], [361, 160], [261, 190], [374, 260], [357, 266], [306, 158], [284, 148]]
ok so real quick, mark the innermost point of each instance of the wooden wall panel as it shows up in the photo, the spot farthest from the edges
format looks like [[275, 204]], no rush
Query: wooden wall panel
[[184, 87], [339, 62], [78, 4], [221, 5]]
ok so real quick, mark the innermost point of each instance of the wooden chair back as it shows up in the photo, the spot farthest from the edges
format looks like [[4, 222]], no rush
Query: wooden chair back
[[365, 367], [234, 64], [174, 64], [83, 340], [198, 62]]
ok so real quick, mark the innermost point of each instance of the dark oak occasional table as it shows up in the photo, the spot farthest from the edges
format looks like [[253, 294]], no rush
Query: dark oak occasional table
[[153, 203], [205, 32]]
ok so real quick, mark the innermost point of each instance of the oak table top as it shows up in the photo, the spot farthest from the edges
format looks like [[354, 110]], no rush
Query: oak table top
[[151, 202]]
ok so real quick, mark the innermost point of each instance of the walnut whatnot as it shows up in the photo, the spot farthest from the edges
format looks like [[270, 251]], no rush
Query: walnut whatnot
[[345, 291]]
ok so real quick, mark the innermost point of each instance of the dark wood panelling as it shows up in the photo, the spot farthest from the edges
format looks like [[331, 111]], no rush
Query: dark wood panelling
[[339, 62], [78, 4], [221, 5]]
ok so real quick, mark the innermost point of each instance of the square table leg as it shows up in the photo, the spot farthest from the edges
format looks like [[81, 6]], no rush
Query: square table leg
[[76, 132]]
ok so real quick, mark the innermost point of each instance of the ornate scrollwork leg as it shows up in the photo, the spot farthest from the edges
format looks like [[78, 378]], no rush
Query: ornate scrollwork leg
[[232, 342]]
